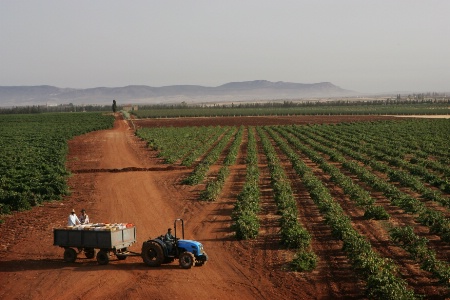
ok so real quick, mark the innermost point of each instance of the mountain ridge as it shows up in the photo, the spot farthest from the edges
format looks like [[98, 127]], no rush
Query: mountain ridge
[[143, 94]]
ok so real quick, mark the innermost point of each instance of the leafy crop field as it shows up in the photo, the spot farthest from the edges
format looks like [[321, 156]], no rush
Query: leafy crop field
[[33, 155], [380, 188]]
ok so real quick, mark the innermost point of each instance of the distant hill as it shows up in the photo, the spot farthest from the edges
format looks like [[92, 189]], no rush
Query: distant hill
[[140, 94]]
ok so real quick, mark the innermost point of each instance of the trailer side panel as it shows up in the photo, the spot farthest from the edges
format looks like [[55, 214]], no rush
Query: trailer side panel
[[94, 239]]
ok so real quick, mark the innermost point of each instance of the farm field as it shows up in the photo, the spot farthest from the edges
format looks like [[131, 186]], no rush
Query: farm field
[[33, 155], [371, 192]]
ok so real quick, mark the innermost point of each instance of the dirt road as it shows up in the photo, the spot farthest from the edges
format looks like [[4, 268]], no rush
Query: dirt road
[[116, 179]]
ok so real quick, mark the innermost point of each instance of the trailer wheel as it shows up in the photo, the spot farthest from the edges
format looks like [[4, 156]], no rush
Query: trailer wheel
[[121, 256], [102, 257], [70, 255], [187, 260], [89, 253], [152, 253]]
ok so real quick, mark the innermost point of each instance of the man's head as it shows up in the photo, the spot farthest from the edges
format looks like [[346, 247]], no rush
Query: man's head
[[73, 211], [83, 211], [169, 230]]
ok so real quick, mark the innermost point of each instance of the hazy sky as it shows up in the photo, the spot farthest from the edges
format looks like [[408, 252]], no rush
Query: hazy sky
[[366, 46]]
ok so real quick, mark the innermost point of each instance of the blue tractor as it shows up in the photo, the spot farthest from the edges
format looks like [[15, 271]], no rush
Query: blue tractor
[[161, 251]]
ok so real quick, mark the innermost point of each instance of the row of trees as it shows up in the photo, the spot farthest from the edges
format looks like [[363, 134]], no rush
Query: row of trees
[[310, 103], [416, 99], [38, 109]]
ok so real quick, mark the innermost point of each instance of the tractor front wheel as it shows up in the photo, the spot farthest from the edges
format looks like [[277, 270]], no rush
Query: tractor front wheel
[[199, 263], [152, 253], [187, 260]]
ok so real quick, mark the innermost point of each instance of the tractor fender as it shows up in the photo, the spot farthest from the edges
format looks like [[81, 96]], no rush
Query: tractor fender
[[163, 246]]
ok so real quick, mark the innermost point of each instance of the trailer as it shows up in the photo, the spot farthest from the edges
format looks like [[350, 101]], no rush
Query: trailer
[[117, 238], [87, 240]]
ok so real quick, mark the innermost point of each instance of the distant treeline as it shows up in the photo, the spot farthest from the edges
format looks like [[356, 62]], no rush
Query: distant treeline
[[428, 100], [236, 111], [420, 104], [304, 103], [36, 109]]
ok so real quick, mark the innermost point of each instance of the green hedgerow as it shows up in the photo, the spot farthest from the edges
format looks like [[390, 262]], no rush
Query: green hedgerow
[[304, 260], [376, 212], [246, 225]]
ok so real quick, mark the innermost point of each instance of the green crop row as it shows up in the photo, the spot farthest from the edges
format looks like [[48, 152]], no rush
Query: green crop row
[[214, 186], [200, 171], [245, 213], [362, 159], [180, 143], [356, 193], [379, 273], [436, 220], [417, 248], [293, 235]]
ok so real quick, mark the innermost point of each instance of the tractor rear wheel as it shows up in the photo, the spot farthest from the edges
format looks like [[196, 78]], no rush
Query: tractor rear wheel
[[187, 260], [152, 253]]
